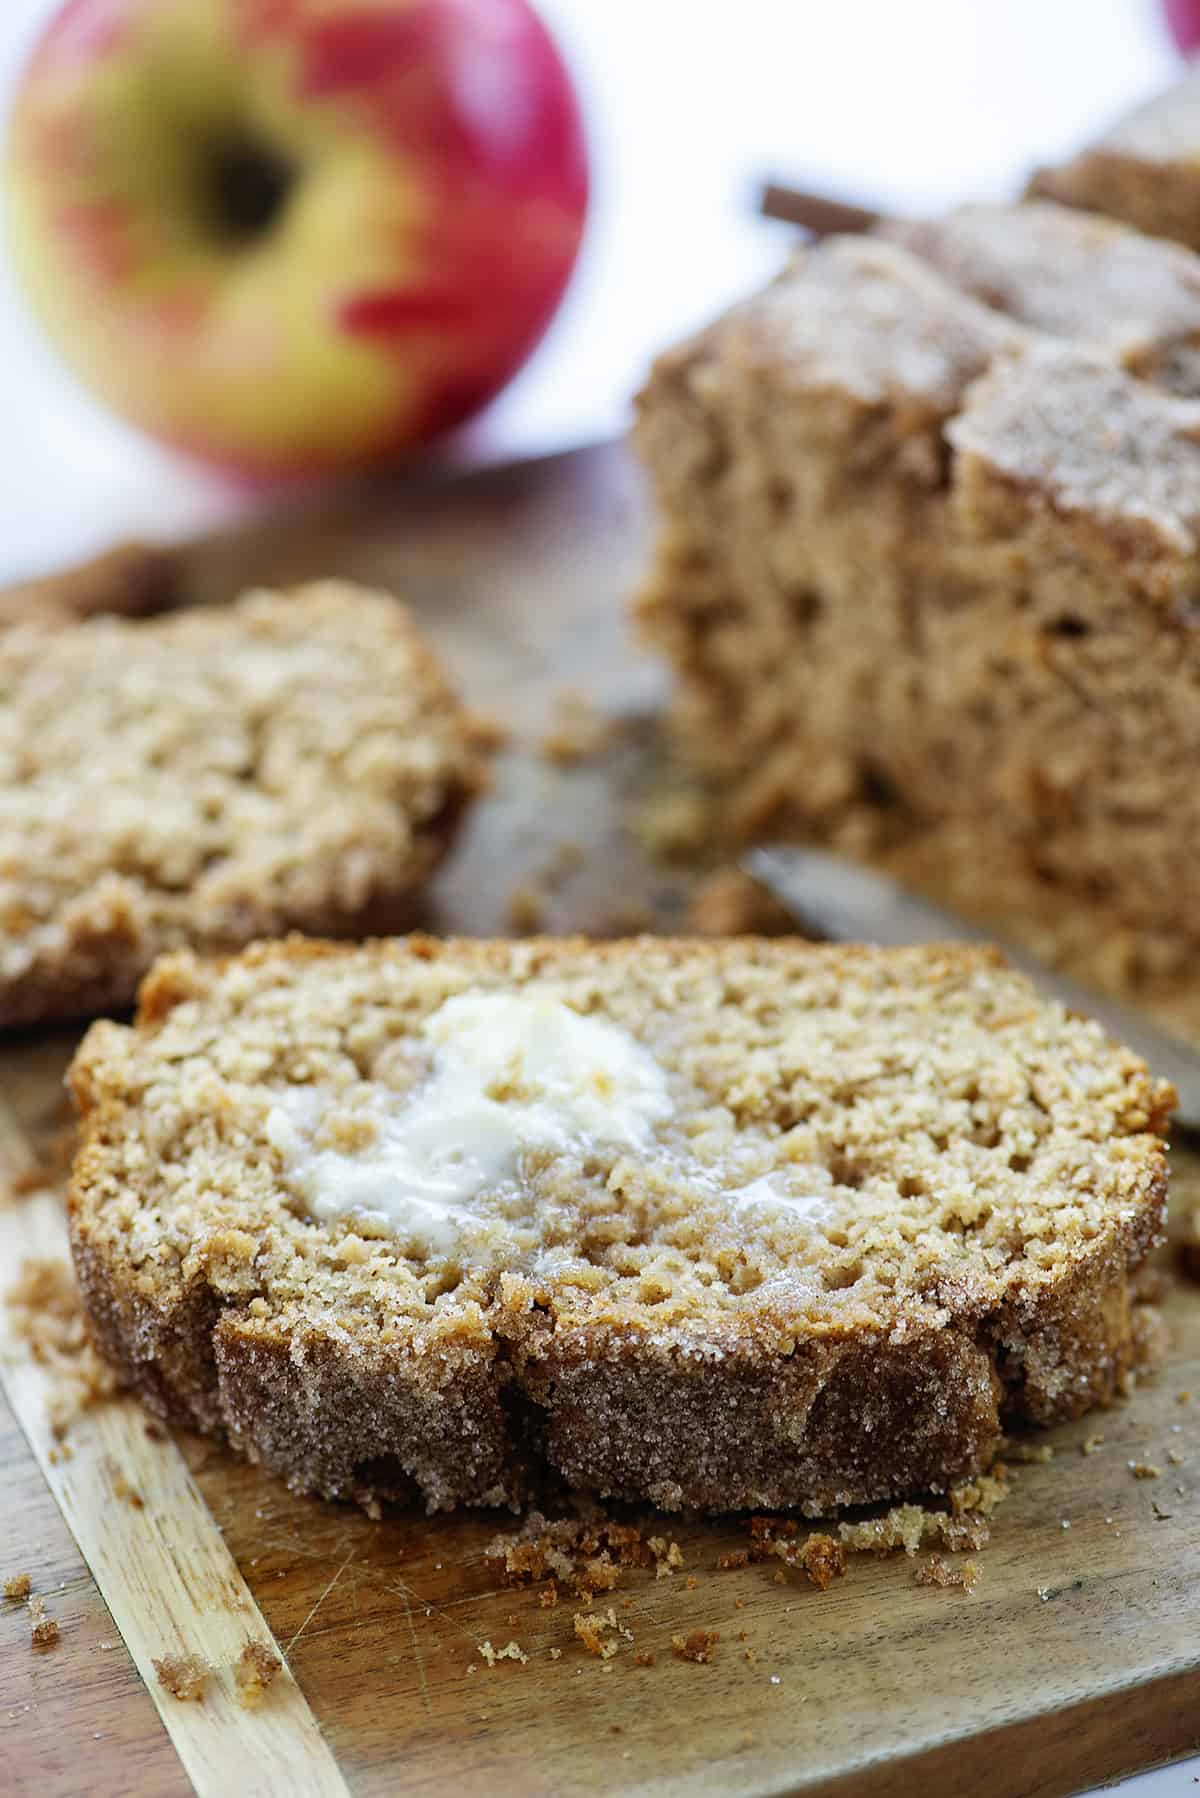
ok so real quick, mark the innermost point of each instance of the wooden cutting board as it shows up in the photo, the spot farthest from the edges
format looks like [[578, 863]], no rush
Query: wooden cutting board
[[1076, 1658]]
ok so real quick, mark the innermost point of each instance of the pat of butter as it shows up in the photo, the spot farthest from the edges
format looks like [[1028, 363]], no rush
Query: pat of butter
[[512, 1072]]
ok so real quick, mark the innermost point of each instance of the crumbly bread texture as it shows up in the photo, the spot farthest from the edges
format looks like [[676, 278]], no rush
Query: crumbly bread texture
[[925, 564], [976, 1177], [1144, 169], [295, 760]]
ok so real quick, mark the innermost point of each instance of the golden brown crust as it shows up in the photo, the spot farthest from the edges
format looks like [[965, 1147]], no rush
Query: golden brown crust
[[699, 1380]]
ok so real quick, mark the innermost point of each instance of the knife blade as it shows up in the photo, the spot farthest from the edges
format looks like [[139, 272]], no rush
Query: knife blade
[[845, 902]]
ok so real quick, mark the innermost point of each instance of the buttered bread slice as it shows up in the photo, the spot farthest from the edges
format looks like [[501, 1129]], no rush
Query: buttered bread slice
[[714, 1224]]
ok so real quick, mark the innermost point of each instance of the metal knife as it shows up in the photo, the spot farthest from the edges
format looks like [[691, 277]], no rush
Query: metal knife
[[848, 903]]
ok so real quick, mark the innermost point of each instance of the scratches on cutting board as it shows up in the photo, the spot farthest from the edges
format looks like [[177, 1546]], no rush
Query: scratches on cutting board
[[320, 1601], [420, 1658], [435, 1610]]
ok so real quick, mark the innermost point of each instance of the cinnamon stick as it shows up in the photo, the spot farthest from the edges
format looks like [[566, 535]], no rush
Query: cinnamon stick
[[820, 214]]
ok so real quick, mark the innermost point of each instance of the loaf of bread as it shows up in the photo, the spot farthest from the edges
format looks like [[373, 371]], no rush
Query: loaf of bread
[[295, 760], [713, 1224], [929, 560]]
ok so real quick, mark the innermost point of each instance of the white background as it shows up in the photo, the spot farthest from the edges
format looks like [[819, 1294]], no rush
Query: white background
[[690, 103]]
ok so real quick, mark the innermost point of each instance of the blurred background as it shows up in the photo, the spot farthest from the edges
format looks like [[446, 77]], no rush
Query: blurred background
[[911, 105]]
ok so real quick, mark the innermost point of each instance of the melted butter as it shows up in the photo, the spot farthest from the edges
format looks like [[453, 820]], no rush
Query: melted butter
[[512, 1073]]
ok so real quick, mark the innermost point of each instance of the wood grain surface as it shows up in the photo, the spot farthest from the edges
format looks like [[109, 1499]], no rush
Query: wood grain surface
[[1076, 1658], [159, 1560]]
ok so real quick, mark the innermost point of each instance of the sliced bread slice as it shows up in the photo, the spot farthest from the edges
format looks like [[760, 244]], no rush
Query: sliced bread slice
[[714, 1224]]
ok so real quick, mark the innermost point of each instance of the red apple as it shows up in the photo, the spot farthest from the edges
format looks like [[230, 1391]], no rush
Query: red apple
[[296, 235], [1183, 18]]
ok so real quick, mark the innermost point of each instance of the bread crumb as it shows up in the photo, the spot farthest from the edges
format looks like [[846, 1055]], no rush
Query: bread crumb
[[1091, 1443], [730, 903], [255, 1671], [938, 1572], [668, 1556], [578, 731], [1145, 1470], [981, 1495], [512, 1651], [643, 1657], [692, 1582], [1033, 1453], [525, 911], [597, 1575], [548, 1596], [600, 1632], [582, 1553], [1174, 1457], [820, 1556], [697, 1645], [910, 1526], [17, 1587], [1184, 1397], [487, 733], [47, 1315], [822, 1559], [45, 1634], [675, 825], [555, 1654], [737, 1557], [184, 1676], [121, 1487]]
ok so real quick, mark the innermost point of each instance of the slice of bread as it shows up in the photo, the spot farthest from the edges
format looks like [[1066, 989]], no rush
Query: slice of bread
[[293, 761], [714, 1224]]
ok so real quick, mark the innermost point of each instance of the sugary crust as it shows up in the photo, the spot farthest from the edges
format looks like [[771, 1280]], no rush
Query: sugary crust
[[209, 776], [519, 1371], [1073, 275], [1115, 462], [1142, 170]]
